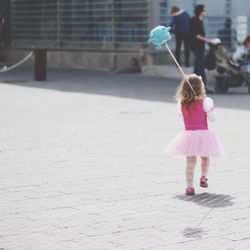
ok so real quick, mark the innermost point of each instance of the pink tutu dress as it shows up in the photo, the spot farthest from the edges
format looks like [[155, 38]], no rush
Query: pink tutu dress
[[196, 139]]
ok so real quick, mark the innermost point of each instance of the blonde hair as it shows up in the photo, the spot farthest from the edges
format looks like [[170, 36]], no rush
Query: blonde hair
[[184, 93]]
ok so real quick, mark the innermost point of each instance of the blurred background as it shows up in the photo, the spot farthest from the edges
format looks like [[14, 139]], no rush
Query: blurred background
[[107, 34]]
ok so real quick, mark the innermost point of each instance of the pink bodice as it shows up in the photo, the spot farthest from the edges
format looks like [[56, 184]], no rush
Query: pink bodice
[[195, 118]]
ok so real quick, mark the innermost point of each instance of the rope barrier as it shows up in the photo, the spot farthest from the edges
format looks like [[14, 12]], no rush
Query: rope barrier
[[5, 68]]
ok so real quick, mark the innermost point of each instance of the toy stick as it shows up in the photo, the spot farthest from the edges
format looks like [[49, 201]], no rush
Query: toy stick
[[158, 37]]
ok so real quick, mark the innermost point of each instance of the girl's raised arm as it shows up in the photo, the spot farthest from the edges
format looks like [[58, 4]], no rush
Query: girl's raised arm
[[208, 106]]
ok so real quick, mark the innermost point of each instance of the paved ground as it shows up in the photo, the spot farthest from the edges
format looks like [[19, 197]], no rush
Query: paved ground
[[82, 167]]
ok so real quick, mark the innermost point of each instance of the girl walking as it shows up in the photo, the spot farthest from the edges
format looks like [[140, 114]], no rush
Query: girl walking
[[196, 140]]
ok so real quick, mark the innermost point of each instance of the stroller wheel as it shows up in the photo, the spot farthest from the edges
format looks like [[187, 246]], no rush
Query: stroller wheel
[[220, 70], [221, 86], [219, 89]]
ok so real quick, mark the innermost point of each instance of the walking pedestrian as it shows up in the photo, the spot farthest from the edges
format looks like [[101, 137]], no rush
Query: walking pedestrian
[[227, 35], [2, 26], [196, 140], [180, 28], [197, 42]]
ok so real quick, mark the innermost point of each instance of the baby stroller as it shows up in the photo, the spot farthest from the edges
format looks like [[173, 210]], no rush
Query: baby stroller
[[230, 73]]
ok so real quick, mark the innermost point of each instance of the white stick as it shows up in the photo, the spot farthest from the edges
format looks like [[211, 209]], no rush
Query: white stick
[[179, 67]]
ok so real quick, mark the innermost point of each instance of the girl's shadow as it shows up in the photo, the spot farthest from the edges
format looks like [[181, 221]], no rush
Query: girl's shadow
[[208, 200], [193, 232]]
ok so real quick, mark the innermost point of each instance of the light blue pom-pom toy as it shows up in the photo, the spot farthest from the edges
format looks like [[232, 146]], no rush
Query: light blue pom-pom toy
[[159, 36]]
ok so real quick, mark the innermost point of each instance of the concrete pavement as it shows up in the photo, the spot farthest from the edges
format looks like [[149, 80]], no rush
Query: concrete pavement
[[82, 166]]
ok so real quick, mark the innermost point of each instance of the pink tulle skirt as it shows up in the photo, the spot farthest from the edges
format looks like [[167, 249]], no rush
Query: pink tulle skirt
[[195, 143]]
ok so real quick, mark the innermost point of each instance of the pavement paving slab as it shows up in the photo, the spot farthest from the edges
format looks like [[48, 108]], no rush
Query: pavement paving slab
[[82, 166]]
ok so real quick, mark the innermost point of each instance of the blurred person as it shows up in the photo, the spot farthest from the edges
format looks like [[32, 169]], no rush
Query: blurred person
[[197, 42], [180, 28], [196, 140], [227, 34], [242, 55], [2, 35]]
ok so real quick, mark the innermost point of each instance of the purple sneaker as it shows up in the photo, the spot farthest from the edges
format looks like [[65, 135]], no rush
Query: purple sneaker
[[203, 182], [189, 191]]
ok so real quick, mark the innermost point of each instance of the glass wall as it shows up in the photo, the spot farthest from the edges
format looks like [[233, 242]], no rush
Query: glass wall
[[109, 24], [79, 23], [219, 21]]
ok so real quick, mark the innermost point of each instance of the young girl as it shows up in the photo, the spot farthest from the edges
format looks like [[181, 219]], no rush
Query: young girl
[[196, 140]]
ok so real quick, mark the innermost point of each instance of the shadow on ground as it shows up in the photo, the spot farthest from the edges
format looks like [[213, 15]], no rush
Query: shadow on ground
[[194, 232], [134, 86], [208, 200]]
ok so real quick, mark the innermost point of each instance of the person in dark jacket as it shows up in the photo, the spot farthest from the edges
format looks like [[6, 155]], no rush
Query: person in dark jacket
[[197, 41], [180, 27], [227, 34], [2, 35]]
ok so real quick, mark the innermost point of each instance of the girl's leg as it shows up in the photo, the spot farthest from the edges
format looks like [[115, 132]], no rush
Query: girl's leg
[[191, 162], [204, 171], [204, 166]]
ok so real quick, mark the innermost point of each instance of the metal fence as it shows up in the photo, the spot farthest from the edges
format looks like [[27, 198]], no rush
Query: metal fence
[[98, 24], [79, 23]]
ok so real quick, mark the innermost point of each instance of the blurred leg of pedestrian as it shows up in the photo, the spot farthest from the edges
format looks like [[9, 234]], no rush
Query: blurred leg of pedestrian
[[186, 49], [178, 40], [199, 68]]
